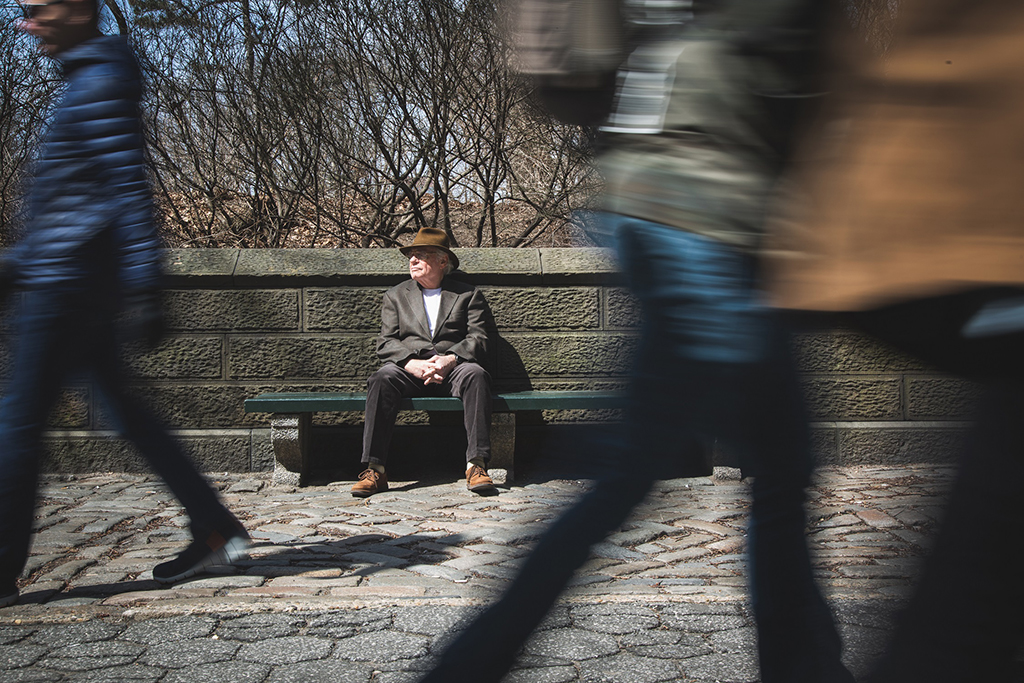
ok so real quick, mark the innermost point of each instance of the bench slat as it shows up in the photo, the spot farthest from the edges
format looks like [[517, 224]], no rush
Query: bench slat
[[558, 400], [311, 402]]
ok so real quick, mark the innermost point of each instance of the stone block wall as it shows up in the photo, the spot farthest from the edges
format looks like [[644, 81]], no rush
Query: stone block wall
[[244, 322], [870, 404]]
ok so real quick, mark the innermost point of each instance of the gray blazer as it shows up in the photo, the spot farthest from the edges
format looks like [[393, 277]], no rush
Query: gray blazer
[[462, 323]]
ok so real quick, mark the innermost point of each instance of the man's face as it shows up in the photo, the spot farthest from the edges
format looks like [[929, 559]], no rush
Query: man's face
[[57, 24], [426, 266]]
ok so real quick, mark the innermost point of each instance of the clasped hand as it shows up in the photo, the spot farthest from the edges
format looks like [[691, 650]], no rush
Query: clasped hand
[[432, 370]]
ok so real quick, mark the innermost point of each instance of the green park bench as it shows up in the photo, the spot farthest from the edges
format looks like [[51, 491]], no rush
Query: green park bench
[[292, 415]]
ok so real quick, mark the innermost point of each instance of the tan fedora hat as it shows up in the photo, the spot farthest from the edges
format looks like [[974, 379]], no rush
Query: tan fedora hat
[[432, 237]]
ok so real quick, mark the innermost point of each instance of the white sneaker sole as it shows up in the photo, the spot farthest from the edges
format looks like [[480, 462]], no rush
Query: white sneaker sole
[[237, 548]]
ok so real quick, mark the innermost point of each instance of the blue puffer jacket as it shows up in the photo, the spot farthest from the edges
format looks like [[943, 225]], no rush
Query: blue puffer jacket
[[90, 206]]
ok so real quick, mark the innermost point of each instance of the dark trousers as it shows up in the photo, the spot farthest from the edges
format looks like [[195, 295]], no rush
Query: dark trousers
[[965, 621], [389, 385], [58, 333], [712, 362]]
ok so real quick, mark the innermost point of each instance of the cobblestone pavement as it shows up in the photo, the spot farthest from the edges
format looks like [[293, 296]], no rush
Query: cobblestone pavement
[[345, 589]]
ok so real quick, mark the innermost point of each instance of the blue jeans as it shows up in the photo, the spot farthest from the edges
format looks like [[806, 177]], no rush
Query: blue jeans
[[713, 362], [58, 333]]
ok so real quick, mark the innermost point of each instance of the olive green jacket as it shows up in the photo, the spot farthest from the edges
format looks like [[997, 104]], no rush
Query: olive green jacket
[[704, 117]]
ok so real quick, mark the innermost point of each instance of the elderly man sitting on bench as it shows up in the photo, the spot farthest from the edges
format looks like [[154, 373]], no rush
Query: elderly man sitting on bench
[[433, 339]]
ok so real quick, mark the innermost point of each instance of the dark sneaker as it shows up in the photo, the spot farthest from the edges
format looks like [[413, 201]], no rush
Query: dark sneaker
[[370, 482], [9, 598], [478, 481], [212, 551]]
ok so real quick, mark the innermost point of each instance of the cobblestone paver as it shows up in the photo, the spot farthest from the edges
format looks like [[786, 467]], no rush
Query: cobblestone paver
[[347, 589]]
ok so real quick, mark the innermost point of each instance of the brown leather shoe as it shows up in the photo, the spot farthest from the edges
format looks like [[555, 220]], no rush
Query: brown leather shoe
[[477, 480], [370, 482]]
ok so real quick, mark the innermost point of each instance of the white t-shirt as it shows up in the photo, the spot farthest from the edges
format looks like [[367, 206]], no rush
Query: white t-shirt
[[432, 302]]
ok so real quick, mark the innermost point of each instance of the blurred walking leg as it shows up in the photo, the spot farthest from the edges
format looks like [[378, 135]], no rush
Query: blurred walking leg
[[485, 651], [40, 362], [797, 638], [711, 360], [161, 451], [965, 621]]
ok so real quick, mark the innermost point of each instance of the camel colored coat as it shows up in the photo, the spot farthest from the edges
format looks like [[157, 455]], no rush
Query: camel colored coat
[[913, 183]]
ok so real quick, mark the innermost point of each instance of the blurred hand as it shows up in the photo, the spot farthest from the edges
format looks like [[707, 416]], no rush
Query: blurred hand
[[144, 318], [8, 278]]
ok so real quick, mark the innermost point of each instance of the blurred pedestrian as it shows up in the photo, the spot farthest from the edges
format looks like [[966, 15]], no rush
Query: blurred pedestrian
[[701, 122], [909, 219], [90, 253]]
